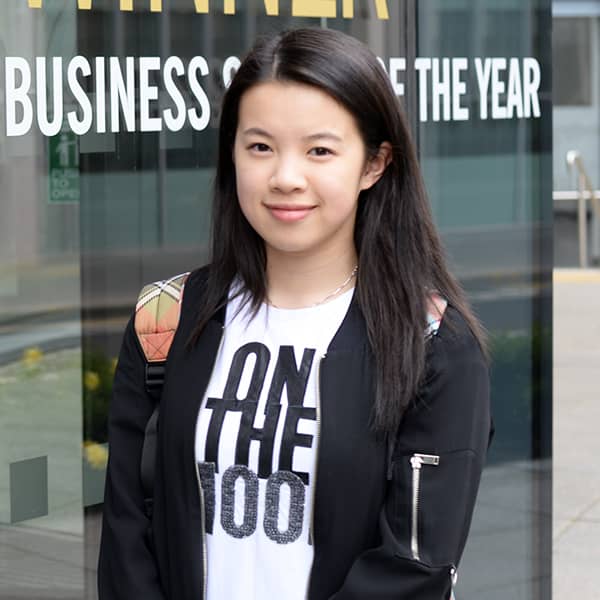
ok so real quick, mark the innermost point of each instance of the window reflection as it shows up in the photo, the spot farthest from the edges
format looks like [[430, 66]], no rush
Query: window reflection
[[489, 181]]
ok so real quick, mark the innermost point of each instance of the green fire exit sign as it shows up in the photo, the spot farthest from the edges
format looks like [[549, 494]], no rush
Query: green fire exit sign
[[63, 173]]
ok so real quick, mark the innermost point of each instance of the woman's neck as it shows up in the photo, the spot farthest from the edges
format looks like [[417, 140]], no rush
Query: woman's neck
[[298, 282]]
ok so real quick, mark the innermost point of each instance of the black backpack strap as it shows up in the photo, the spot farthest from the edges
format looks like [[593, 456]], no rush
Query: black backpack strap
[[156, 320], [155, 375]]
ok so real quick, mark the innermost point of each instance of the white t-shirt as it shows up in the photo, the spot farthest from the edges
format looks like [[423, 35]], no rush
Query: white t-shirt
[[256, 449]]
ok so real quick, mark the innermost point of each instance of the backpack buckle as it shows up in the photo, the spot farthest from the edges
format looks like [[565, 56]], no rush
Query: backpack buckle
[[155, 376]]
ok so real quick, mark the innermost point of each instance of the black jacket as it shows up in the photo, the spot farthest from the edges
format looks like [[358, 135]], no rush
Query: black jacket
[[366, 498]]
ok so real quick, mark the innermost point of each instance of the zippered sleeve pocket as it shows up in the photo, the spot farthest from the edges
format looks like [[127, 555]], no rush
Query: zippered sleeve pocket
[[417, 462], [433, 502]]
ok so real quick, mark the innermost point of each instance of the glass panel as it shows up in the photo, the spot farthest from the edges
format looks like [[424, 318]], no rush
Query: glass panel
[[576, 69], [576, 123], [571, 58], [41, 514], [489, 180]]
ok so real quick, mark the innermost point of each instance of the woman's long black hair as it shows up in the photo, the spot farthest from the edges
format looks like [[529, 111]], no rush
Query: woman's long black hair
[[400, 255]]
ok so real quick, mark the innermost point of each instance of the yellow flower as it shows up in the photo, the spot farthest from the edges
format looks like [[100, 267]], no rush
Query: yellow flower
[[95, 454], [32, 356], [91, 380]]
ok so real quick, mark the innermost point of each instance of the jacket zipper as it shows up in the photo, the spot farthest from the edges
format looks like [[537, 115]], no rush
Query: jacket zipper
[[417, 461], [203, 526], [201, 490], [453, 580], [311, 533]]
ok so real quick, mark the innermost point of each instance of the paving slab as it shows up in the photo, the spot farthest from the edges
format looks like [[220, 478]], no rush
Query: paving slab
[[576, 560]]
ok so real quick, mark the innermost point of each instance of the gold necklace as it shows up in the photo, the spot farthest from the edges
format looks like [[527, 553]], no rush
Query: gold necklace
[[332, 294]]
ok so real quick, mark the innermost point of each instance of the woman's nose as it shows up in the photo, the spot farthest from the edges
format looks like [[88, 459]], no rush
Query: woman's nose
[[288, 175]]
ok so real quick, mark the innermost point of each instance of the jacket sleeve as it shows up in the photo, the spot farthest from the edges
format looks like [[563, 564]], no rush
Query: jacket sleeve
[[430, 499], [126, 567]]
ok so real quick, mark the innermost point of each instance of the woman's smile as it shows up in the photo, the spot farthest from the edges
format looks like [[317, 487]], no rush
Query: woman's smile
[[290, 213]]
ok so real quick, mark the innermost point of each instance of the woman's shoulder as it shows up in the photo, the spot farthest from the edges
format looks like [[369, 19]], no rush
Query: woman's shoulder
[[453, 402], [198, 277], [454, 341]]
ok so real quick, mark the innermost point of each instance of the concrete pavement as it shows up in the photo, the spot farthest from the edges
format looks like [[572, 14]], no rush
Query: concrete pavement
[[576, 514]]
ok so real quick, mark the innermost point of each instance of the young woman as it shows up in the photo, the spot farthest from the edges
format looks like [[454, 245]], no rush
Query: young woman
[[325, 415]]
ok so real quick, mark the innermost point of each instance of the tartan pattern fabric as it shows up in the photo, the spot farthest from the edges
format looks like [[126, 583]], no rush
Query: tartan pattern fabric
[[436, 307], [157, 316]]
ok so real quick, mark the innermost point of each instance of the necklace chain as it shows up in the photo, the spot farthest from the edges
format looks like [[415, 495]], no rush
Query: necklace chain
[[332, 294]]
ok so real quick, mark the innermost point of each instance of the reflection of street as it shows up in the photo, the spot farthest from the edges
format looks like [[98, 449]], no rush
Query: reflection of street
[[576, 441], [41, 416], [39, 564], [47, 311], [502, 275], [52, 336], [495, 566], [497, 561]]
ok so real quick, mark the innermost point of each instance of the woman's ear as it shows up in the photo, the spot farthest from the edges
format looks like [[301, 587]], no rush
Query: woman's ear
[[376, 166]]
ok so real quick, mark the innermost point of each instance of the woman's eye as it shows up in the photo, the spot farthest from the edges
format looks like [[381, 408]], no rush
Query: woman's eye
[[259, 147], [320, 151]]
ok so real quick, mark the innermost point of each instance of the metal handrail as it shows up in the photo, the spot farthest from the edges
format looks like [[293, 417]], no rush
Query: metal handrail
[[585, 191], [570, 195]]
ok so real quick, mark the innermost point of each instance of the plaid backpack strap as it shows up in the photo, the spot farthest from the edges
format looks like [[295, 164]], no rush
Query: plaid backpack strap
[[156, 318]]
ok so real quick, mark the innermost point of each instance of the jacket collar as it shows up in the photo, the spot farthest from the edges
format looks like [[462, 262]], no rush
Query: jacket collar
[[352, 328]]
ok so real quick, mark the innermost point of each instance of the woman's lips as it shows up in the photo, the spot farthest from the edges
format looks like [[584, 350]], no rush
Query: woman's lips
[[289, 213]]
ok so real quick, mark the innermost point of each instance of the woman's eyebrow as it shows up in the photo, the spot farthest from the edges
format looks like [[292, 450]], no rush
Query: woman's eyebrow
[[257, 131], [323, 135], [320, 135]]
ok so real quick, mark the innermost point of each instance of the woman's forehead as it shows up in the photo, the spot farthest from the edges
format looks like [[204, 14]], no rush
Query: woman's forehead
[[278, 108]]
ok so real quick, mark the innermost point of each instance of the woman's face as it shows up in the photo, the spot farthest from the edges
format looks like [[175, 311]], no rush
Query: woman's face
[[300, 164]]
